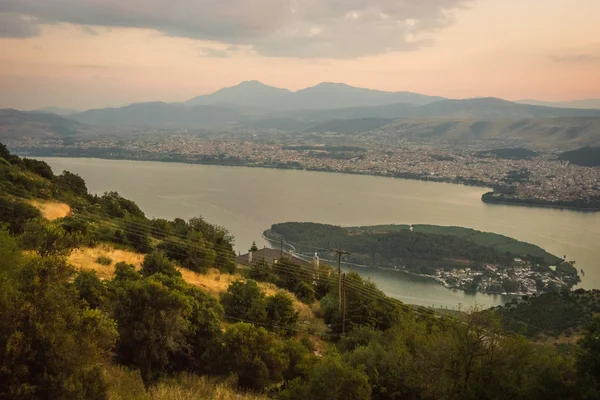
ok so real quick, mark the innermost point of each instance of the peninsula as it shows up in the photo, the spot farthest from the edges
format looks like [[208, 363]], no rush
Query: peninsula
[[456, 257]]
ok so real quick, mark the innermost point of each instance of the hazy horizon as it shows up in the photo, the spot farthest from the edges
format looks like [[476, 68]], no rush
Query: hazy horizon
[[87, 54]]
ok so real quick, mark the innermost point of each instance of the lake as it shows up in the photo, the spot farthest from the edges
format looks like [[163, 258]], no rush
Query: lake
[[249, 200]]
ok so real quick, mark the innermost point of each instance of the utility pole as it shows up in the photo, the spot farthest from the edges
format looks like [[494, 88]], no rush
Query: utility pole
[[345, 304], [340, 252]]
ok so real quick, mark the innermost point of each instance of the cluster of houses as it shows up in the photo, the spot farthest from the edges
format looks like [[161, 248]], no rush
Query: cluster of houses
[[519, 279]]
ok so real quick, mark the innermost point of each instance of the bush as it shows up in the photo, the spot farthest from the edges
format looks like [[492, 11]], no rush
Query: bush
[[281, 314], [245, 301], [305, 293], [157, 263], [256, 356], [103, 260]]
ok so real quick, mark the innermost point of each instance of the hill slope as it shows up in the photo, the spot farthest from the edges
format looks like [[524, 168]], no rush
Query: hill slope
[[18, 124], [545, 133], [587, 103], [161, 115]]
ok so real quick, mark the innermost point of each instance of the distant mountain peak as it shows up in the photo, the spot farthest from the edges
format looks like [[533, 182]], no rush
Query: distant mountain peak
[[252, 83], [332, 84], [324, 95]]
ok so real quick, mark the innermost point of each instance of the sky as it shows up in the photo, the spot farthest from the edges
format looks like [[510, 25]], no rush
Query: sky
[[85, 54]]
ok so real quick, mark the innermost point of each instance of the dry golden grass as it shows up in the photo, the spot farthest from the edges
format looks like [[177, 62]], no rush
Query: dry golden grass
[[562, 339], [85, 258], [52, 210], [215, 283], [124, 384]]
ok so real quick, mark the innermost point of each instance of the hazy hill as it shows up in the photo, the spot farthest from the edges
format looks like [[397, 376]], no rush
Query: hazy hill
[[16, 124], [349, 125], [161, 115], [545, 133], [496, 108], [320, 97], [328, 95], [586, 103], [585, 156], [248, 93], [56, 110], [486, 108], [397, 110]]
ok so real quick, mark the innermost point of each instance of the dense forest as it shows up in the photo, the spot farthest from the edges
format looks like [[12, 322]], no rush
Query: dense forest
[[150, 331]]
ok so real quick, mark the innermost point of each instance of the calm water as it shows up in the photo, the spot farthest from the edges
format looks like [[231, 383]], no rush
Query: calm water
[[249, 200]]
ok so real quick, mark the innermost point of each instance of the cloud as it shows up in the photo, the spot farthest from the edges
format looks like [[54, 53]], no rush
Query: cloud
[[89, 31], [293, 28], [576, 58], [16, 26]]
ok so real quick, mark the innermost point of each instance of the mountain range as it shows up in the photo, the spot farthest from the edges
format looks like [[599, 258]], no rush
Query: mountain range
[[326, 95], [328, 107], [253, 102]]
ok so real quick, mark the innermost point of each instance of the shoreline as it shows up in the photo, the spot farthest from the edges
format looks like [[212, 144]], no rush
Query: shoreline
[[283, 167], [524, 204]]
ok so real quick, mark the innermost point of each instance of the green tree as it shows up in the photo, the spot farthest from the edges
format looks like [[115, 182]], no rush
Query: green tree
[[16, 214], [588, 362], [330, 379], [244, 301], [261, 271], [10, 254], [51, 345], [38, 167], [4, 153], [254, 247], [204, 331], [305, 292], [256, 356], [281, 314], [152, 323], [126, 272], [157, 263], [91, 288], [137, 233], [48, 238], [72, 181]]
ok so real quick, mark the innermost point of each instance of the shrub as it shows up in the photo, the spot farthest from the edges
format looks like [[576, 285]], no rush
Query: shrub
[[103, 260]]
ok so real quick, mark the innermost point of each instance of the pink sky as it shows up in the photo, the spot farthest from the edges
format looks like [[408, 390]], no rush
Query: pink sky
[[109, 56]]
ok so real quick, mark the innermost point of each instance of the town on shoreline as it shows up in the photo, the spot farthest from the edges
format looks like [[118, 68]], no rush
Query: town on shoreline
[[533, 179]]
